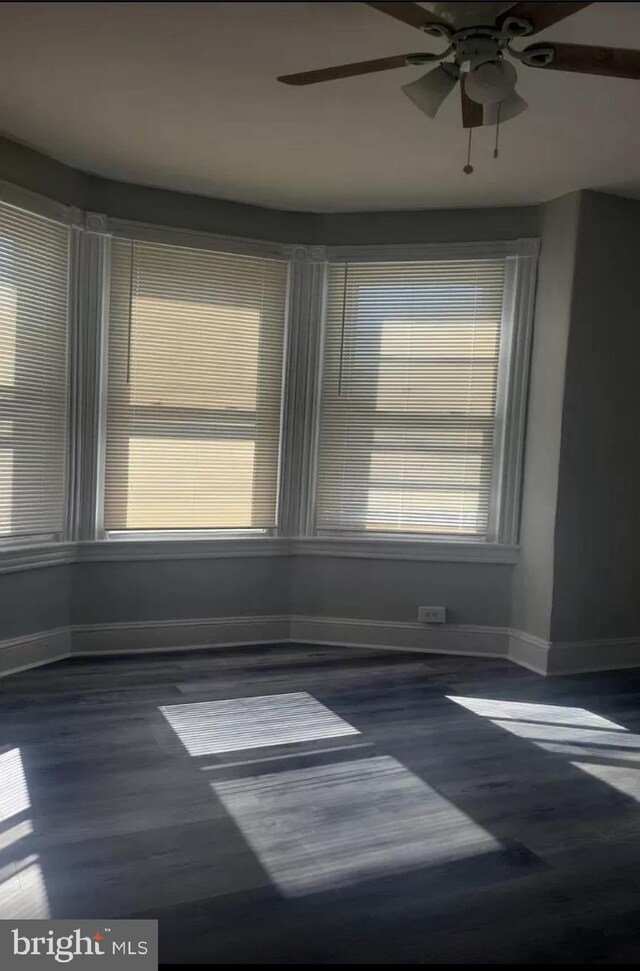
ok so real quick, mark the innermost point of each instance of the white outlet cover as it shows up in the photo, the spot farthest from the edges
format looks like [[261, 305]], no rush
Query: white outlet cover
[[432, 615]]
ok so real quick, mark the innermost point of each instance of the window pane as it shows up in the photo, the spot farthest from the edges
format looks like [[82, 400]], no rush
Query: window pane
[[195, 371], [217, 475], [33, 373], [409, 396]]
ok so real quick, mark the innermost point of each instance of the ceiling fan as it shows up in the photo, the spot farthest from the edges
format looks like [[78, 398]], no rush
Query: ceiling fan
[[475, 56]]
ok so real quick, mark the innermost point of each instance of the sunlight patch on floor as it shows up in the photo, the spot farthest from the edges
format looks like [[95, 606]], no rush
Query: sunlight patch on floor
[[15, 833], [620, 777], [569, 731], [23, 894], [14, 794], [524, 711], [562, 733], [322, 827], [588, 751], [214, 727]]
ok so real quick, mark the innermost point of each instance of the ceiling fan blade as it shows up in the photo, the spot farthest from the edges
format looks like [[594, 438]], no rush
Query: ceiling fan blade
[[410, 13], [541, 14], [472, 113], [349, 70], [613, 62]]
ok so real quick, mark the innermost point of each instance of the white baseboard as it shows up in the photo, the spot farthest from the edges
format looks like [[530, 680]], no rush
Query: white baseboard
[[171, 635], [534, 653], [33, 650], [529, 651], [573, 657], [466, 639], [152, 637], [606, 654]]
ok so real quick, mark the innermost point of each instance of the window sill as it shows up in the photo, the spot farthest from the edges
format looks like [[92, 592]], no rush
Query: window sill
[[184, 535], [115, 551], [32, 555], [136, 548], [378, 548]]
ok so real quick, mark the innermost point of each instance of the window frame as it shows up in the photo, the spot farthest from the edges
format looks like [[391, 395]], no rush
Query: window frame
[[511, 393], [129, 231], [16, 197]]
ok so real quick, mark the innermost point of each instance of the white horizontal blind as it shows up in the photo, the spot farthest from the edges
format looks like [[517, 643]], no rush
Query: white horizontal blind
[[409, 397], [34, 266], [194, 389]]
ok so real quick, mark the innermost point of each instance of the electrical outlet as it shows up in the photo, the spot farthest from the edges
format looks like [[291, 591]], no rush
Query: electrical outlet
[[432, 615]]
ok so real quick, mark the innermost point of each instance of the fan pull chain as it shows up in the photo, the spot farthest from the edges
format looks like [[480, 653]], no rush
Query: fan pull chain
[[468, 169], [495, 147]]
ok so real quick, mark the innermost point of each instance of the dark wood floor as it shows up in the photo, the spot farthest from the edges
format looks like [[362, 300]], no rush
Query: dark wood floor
[[409, 821]]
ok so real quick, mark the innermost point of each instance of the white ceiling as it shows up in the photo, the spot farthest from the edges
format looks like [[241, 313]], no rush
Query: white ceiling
[[184, 96]]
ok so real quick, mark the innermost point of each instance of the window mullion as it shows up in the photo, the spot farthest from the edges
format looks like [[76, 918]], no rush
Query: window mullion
[[89, 287], [307, 294]]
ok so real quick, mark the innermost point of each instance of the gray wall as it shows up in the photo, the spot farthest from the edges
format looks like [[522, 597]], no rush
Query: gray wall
[[180, 589], [329, 586], [578, 574], [112, 592], [597, 547], [533, 576], [322, 586], [32, 170], [35, 600]]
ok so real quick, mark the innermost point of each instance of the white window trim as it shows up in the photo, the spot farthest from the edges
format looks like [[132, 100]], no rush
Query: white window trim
[[195, 239], [144, 232], [85, 538], [15, 195], [414, 252], [513, 368], [25, 549], [173, 535]]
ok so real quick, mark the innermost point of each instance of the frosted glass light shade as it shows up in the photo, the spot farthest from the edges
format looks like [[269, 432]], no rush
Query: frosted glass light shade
[[429, 91], [509, 107], [491, 82]]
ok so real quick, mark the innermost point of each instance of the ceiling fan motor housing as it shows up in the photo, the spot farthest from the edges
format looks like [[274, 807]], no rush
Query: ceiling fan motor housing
[[477, 49]]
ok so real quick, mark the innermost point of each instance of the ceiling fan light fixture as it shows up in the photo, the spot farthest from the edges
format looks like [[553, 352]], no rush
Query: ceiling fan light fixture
[[429, 91], [504, 110], [491, 82]]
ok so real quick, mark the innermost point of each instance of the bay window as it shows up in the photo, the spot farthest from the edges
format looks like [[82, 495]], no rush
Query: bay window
[[208, 388]]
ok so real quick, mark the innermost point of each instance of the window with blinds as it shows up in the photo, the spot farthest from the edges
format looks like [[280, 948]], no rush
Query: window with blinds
[[408, 410], [34, 261], [194, 389]]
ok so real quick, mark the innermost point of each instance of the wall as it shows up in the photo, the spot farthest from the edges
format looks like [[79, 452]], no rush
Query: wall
[[597, 545], [180, 589], [32, 170], [533, 577], [575, 589], [34, 600], [329, 586], [35, 611]]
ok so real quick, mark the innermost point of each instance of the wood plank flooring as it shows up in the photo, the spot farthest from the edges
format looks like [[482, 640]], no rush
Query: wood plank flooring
[[298, 805]]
